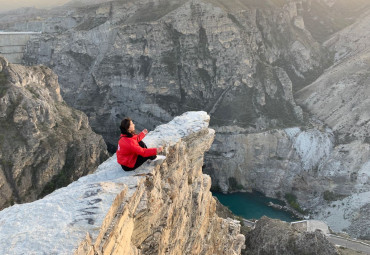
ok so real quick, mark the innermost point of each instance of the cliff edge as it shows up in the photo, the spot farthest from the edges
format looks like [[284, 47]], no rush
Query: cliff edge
[[164, 207]]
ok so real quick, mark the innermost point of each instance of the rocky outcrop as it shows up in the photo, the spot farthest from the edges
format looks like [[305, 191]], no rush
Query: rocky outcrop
[[165, 206], [44, 144], [241, 61], [278, 237]]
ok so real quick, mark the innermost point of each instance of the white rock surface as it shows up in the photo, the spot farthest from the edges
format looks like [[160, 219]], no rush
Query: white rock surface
[[66, 214], [312, 145], [346, 215], [57, 223]]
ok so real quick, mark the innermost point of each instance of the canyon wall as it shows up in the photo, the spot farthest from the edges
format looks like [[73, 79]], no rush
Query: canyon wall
[[44, 144], [249, 64], [325, 162], [239, 63]]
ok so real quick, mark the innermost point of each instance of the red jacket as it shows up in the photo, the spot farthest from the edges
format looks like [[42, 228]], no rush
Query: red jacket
[[129, 149]]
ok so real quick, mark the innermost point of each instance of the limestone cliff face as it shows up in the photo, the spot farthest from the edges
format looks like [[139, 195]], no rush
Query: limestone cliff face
[[326, 162], [172, 210], [343, 101], [281, 161], [237, 60], [340, 99], [163, 207], [43, 143]]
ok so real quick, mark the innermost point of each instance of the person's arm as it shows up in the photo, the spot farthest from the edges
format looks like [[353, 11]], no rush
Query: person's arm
[[142, 135], [144, 152]]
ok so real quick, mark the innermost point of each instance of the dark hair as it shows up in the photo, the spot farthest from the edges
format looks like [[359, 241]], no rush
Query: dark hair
[[125, 124]]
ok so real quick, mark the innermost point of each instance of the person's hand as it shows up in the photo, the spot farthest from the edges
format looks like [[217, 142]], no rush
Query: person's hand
[[145, 131], [159, 149]]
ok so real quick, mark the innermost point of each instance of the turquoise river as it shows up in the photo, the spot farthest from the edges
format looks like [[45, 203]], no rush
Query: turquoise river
[[253, 205]]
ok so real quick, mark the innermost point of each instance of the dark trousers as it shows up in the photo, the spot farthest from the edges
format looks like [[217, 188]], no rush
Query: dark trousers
[[140, 160]]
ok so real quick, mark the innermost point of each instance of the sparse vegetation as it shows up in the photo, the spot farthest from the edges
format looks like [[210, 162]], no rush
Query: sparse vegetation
[[91, 22], [64, 177], [6, 163], [58, 181], [292, 201], [278, 195], [3, 84], [84, 60], [33, 91], [234, 185], [169, 59], [331, 196], [205, 77]]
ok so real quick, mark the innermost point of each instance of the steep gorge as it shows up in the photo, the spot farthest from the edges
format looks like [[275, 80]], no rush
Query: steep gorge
[[244, 62], [237, 65]]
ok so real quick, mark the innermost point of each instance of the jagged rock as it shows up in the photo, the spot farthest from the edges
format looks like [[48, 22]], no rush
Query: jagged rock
[[340, 97], [235, 60], [43, 142], [277, 237], [165, 206], [350, 215], [240, 61]]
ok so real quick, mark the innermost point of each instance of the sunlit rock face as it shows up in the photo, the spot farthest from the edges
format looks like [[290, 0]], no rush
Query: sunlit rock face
[[44, 144], [165, 206]]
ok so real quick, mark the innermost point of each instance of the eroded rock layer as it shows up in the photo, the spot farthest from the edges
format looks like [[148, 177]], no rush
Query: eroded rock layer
[[44, 144]]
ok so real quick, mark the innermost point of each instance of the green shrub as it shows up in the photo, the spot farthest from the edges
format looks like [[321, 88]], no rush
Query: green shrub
[[3, 84], [292, 201], [331, 196]]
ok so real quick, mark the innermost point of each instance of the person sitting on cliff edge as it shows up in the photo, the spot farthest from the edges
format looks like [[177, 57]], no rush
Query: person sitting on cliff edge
[[132, 152]]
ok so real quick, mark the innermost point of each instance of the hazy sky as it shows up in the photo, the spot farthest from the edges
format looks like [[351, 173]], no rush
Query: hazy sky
[[6, 5]]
